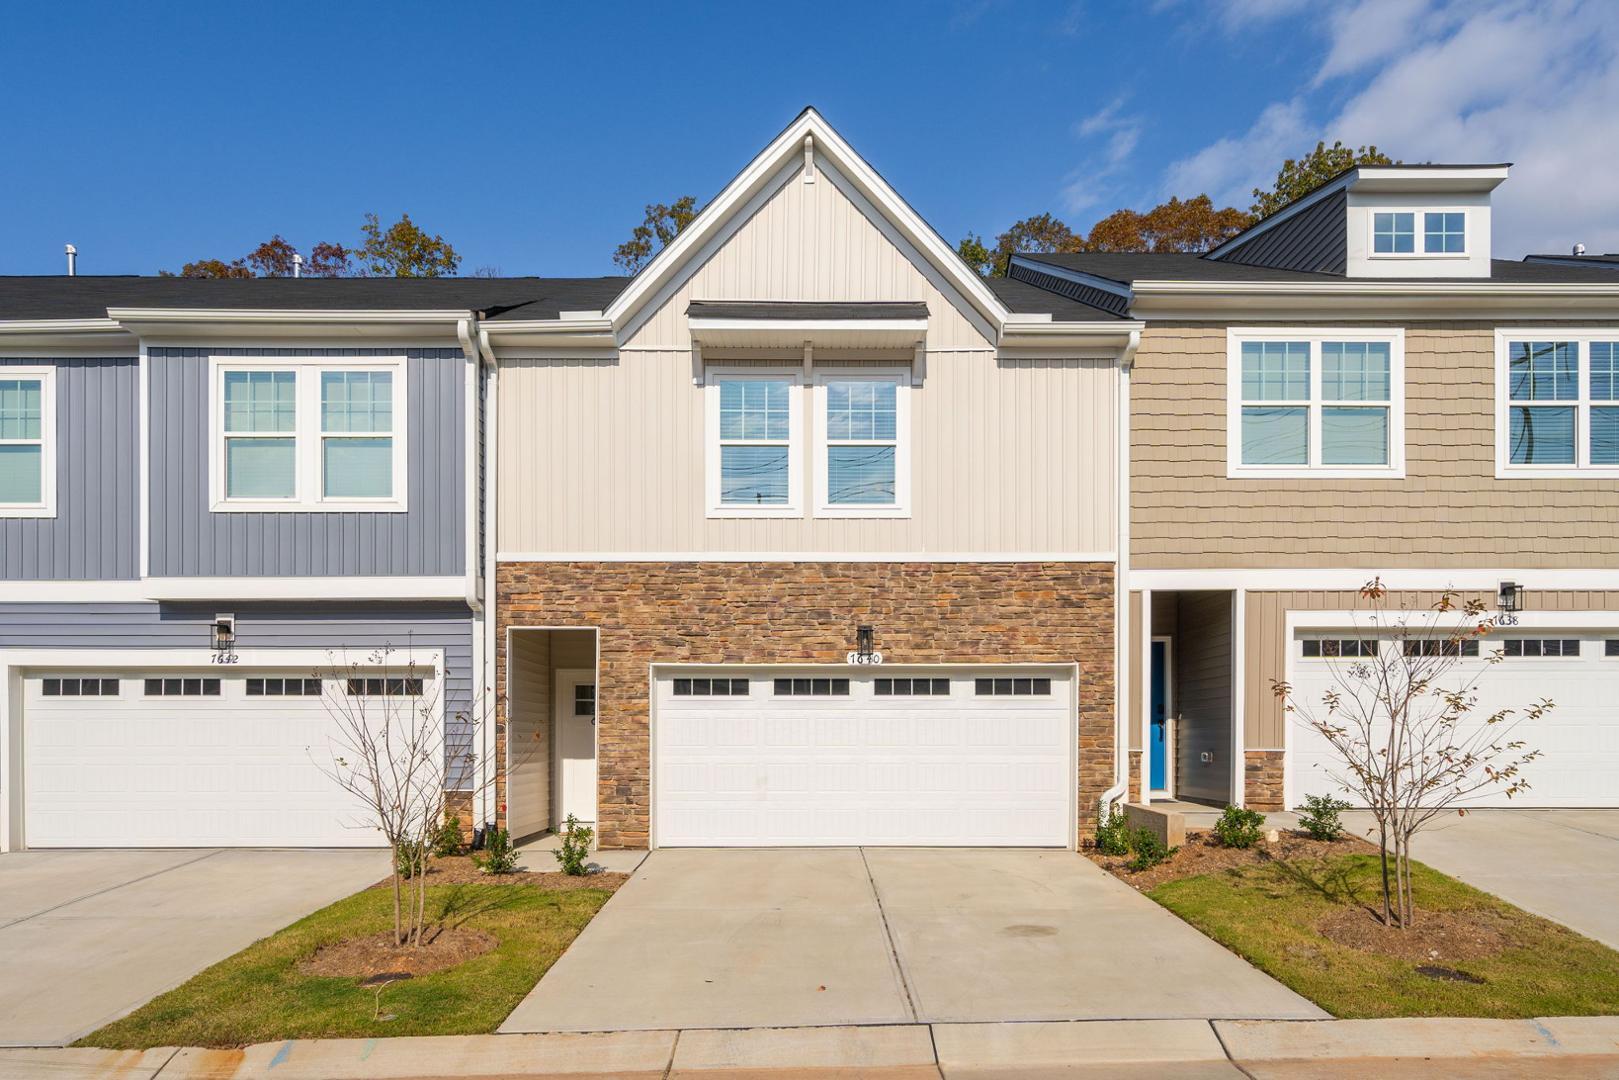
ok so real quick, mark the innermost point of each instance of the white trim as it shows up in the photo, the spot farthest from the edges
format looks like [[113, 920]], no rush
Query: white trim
[[794, 506], [1338, 578], [378, 587], [901, 506], [1239, 698], [488, 680], [1237, 336], [309, 436], [1360, 621], [1168, 791], [1419, 233], [143, 428], [46, 506], [323, 317], [806, 556], [792, 328], [1581, 337]]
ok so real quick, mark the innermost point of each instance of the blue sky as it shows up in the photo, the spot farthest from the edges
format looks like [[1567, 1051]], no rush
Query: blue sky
[[532, 135]]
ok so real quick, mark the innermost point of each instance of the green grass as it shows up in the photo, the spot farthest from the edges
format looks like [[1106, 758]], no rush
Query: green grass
[[1267, 914], [259, 995]]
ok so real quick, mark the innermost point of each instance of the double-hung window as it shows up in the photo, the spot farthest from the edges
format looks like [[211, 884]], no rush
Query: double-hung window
[[1557, 403], [27, 442], [1419, 233], [1317, 403], [309, 434], [862, 448], [756, 443]]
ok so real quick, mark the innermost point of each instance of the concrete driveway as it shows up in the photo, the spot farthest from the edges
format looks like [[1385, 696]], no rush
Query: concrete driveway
[[88, 936], [805, 937]]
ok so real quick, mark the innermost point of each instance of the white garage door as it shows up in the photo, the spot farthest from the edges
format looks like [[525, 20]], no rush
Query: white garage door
[[185, 759], [1579, 739], [905, 757]]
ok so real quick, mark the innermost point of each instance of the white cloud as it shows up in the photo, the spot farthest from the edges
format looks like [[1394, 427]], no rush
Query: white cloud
[[1113, 135], [1532, 83]]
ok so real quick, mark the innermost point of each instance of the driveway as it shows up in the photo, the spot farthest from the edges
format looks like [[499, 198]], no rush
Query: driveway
[[702, 938], [88, 936]]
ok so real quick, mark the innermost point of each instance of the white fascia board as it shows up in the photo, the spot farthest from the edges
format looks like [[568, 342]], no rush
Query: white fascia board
[[590, 332], [169, 657], [447, 587], [1433, 179], [759, 172], [1352, 578], [1163, 301], [184, 325], [1078, 277], [1111, 333], [60, 337], [808, 326], [321, 316]]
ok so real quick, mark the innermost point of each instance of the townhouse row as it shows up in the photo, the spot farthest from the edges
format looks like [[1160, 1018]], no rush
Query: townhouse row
[[806, 534]]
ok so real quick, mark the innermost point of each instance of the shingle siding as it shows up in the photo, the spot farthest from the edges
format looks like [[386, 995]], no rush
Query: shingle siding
[[187, 539], [1315, 239], [95, 534]]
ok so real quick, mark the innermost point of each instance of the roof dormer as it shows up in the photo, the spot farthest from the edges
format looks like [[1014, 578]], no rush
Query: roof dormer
[[1380, 221]]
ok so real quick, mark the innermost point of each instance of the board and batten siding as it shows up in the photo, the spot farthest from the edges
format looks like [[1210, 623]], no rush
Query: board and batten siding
[[528, 711], [1449, 511], [95, 535], [607, 456], [1202, 663], [187, 539]]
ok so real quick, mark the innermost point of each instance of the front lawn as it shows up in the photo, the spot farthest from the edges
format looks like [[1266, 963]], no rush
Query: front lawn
[[261, 993], [1306, 919]]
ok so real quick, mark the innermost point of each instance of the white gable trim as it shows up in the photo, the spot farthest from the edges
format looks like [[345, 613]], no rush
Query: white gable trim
[[785, 153]]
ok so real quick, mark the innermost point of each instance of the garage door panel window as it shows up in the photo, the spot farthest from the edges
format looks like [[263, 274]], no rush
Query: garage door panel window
[[283, 687], [1012, 687], [182, 686], [1441, 647], [1515, 648], [79, 687], [713, 687], [385, 687], [811, 687], [1330, 648], [918, 687]]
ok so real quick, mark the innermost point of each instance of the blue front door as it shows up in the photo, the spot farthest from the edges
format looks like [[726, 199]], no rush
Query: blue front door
[[1158, 766]]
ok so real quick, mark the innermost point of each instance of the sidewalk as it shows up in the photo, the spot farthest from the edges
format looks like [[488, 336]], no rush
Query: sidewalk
[[1173, 1049]]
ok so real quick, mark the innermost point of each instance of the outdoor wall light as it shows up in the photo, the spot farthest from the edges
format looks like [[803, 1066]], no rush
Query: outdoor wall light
[[224, 632], [864, 643], [1510, 596]]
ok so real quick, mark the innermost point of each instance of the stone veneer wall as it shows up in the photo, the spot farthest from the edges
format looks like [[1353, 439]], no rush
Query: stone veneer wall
[[798, 613], [1262, 780], [1135, 776]]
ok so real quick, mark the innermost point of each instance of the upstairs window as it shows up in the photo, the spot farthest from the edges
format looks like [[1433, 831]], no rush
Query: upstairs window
[[1441, 232], [295, 435], [1394, 233], [862, 449], [1444, 233], [754, 445], [1315, 403], [27, 442], [1558, 404]]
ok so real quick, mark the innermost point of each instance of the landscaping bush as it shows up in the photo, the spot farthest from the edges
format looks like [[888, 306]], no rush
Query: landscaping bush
[[447, 841], [1147, 851], [409, 858], [1239, 828], [498, 855], [1112, 835], [1319, 817], [574, 852]]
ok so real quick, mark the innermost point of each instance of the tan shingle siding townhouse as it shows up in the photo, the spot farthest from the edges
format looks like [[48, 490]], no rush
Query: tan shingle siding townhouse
[[805, 534]]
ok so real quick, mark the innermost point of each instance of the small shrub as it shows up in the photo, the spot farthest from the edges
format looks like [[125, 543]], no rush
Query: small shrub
[[1319, 817], [1147, 851], [573, 854], [409, 858], [1112, 835], [447, 841], [498, 855], [1238, 828]]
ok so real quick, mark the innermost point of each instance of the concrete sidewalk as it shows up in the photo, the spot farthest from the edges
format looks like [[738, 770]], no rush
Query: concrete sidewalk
[[1125, 1049]]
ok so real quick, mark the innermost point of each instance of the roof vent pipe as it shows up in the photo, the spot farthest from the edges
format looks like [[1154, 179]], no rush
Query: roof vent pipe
[[1579, 249], [72, 261], [297, 265]]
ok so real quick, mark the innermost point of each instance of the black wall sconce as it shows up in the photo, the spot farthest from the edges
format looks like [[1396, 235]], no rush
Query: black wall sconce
[[1510, 596], [865, 638]]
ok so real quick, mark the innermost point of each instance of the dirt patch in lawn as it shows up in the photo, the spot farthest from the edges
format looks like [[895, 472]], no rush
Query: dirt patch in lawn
[[1203, 854], [1439, 938], [376, 956], [460, 870]]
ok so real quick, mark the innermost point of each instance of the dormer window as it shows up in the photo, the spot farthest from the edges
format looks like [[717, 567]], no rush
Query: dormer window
[[1444, 233], [1395, 232]]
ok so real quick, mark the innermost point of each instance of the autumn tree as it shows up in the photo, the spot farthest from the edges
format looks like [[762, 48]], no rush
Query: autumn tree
[[212, 268], [1300, 176], [404, 250], [976, 255], [1190, 226], [661, 225]]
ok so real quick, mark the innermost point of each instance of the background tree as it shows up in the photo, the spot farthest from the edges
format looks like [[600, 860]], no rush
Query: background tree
[[1300, 176], [1402, 724], [662, 224], [976, 255], [212, 268], [404, 250], [1191, 226], [328, 260], [273, 258]]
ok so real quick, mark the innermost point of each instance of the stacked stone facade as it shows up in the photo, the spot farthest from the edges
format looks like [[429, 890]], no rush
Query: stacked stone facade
[[1262, 780], [806, 613]]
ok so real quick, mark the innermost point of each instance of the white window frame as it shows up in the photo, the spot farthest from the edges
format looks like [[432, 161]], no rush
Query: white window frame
[[901, 506], [307, 434], [794, 506], [1236, 336], [1582, 469], [1419, 232], [46, 506]]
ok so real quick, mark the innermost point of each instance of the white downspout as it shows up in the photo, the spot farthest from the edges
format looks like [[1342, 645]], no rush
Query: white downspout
[[491, 460], [1121, 587], [483, 781]]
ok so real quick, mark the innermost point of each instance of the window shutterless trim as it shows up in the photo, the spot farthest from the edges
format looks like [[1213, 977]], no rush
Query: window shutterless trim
[[308, 438], [1236, 336], [901, 506], [1581, 469], [1419, 232], [712, 377], [46, 506]]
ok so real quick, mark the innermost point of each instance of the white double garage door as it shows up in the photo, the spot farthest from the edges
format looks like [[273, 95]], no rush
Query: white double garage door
[[208, 757], [1578, 739], [864, 756]]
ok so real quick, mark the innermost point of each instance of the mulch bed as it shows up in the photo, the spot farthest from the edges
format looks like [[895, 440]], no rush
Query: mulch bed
[[460, 870], [1203, 854], [375, 956], [1438, 937]]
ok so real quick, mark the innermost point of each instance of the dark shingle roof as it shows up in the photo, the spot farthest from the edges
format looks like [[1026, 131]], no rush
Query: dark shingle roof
[[1610, 260], [1127, 267], [803, 309], [87, 297], [1026, 299]]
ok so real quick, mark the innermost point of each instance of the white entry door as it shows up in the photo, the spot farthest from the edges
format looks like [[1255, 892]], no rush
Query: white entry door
[[948, 757], [1578, 739], [575, 703]]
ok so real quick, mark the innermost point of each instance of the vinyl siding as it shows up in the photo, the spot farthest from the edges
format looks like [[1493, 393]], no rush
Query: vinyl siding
[[1449, 511], [528, 726], [187, 539], [95, 535], [1202, 659]]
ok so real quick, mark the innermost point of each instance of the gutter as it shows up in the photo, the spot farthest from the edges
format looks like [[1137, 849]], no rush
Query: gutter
[[1121, 587], [464, 330]]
